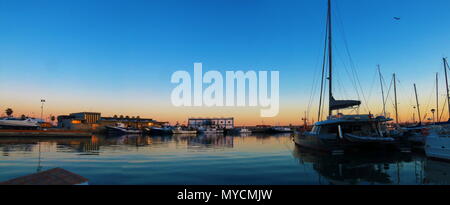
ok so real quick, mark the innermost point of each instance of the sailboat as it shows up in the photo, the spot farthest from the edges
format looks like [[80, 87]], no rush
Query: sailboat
[[340, 133], [437, 140]]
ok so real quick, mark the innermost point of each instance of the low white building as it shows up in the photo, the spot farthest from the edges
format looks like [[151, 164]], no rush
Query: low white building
[[227, 123]]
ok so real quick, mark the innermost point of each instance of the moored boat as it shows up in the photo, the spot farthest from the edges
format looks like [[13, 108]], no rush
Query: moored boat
[[437, 143], [19, 124], [346, 132], [183, 131], [341, 133], [281, 130], [211, 130], [239, 131], [120, 128], [159, 130]]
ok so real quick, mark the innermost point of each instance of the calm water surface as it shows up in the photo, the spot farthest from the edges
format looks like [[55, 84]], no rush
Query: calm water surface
[[244, 160]]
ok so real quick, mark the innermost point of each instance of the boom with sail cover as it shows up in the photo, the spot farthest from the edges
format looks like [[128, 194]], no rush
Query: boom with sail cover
[[342, 104]]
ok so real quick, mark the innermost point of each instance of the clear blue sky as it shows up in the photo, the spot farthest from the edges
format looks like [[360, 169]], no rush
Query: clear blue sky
[[106, 48]]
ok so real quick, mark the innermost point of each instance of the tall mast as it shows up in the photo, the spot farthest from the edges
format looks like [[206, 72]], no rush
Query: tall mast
[[446, 85], [417, 102], [382, 91], [330, 60], [437, 96], [395, 99]]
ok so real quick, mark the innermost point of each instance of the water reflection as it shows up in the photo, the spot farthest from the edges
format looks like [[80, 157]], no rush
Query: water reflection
[[211, 159], [363, 168]]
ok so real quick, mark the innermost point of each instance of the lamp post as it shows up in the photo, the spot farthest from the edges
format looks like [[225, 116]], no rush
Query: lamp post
[[42, 108]]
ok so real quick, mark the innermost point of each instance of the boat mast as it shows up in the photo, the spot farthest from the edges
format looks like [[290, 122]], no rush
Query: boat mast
[[395, 99], [417, 102], [437, 97], [446, 85], [330, 60], [382, 91]]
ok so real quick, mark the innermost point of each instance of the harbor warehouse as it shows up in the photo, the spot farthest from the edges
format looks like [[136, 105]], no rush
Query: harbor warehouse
[[94, 121], [81, 120]]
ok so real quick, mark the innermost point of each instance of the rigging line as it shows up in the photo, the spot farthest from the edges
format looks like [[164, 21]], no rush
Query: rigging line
[[313, 90], [353, 81], [382, 82], [409, 98], [389, 90], [346, 70], [391, 100], [314, 85], [323, 96], [429, 100], [326, 91], [341, 87], [349, 55], [372, 85], [319, 116], [443, 108]]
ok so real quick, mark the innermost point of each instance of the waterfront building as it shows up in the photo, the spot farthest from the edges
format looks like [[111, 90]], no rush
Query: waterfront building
[[226, 123], [129, 122], [94, 121], [79, 121]]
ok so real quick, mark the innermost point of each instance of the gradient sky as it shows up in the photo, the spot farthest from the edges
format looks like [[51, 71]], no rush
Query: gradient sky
[[117, 56]]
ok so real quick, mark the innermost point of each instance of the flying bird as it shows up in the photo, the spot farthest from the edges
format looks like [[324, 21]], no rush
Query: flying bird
[[397, 18]]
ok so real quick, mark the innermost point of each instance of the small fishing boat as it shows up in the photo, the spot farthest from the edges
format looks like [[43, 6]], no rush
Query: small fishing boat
[[121, 128], [211, 130], [244, 130], [183, 131], [239, 131], [159, 130], [262, 129], [281, 130]]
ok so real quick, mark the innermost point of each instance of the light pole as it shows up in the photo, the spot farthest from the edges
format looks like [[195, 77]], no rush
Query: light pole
[[42, 108]]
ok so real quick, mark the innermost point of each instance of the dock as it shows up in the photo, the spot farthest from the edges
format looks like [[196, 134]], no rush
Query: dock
[[44, 133], [55, 176]]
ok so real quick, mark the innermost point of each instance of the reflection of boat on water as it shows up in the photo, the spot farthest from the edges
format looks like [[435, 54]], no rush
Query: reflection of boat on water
[[367, 168], [121, 128], [210, 141], [436, 172], [22, 124]]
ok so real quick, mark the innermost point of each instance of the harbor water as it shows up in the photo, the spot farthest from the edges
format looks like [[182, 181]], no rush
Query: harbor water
[[235, 160]]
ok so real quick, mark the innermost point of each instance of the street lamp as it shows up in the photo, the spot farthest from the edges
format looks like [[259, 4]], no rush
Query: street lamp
[[42, 108]]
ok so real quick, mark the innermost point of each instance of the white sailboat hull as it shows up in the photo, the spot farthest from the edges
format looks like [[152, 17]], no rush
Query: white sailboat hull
[[438, 146]]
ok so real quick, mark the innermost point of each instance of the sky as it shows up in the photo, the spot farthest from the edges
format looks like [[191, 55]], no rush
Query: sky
[[117, 56]]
